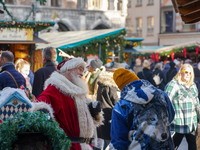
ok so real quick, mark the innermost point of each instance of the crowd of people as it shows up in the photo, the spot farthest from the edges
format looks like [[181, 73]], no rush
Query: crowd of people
[[108, 106]]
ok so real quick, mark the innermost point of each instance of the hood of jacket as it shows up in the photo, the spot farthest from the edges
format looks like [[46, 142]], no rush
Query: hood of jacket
[[106, 78], [139, 92]]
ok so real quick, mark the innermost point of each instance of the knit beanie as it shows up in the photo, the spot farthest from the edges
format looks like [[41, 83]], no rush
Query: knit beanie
[[96, 63], [123, 77]]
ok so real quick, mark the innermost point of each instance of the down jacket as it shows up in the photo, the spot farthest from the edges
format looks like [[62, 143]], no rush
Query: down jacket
[[141, 119]]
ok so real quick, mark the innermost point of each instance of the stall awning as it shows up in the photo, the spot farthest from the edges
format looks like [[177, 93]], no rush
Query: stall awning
[[169, 48], [148, 49], [68, 40], [134, 39], [35, 40]]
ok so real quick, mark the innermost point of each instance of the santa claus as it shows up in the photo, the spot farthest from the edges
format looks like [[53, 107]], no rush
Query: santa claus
[[66, 92]]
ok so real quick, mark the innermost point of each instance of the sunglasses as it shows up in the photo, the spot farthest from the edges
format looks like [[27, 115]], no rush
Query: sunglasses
[[186, 72]]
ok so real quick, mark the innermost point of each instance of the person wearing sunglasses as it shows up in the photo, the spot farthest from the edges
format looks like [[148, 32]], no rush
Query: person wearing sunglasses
[[183, 94]]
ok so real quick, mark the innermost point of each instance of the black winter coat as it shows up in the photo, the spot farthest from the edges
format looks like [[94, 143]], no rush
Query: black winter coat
[[161, 85], [107, 95], [148, 75], [40, 77], [170, 74]]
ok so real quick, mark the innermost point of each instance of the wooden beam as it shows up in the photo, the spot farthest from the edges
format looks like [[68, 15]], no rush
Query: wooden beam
[[191, 17], [189, 9], [184, 2]]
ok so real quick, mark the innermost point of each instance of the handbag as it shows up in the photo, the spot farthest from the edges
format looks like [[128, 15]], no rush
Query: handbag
[[197, 107]]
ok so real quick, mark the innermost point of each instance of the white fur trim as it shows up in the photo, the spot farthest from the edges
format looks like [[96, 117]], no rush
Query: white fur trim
[[42, 105], [86, 123], [73, 63], [8, 91], [63, 85], [106, 78]]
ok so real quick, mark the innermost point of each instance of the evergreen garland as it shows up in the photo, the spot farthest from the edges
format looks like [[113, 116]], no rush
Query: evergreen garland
[[32, 122], [36, 25]]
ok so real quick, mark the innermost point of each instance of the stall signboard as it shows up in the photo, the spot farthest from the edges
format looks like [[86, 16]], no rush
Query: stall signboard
[[16, 34]]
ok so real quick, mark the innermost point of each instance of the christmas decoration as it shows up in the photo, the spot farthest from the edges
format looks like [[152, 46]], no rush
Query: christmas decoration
[[172, 56], [184, 52], [32, 122], [197, 50], [36, 25], [157, 57], [153, 57]]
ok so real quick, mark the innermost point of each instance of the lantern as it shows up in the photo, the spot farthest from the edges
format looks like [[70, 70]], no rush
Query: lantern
[[184, 52], [157, 57], [197, 50], [153, 57], [172, 56]]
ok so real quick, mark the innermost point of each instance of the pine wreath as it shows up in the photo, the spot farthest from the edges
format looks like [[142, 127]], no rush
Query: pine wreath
[[32, 122]]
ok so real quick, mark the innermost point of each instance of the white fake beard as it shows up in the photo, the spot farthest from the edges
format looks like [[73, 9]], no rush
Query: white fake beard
[[78, 81]]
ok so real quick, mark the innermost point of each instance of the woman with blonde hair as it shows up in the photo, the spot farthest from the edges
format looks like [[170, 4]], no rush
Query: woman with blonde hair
[[183, 94], [23, 67]]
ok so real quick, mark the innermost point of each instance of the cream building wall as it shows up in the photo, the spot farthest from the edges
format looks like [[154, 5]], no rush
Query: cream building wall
[[144, 11]]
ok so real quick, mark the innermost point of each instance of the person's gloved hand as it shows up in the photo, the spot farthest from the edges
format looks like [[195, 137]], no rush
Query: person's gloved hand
[[95, 108]]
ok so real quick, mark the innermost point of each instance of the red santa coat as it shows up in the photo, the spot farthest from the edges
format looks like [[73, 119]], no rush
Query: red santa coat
[[70, 108]]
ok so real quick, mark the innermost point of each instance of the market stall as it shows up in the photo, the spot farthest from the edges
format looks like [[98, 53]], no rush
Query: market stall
[[20, 38], [83, 43]]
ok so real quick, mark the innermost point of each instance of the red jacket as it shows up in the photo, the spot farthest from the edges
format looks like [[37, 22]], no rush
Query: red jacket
[[64, 111]]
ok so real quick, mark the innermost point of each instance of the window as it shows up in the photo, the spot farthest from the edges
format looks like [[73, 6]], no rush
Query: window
[[189, 27], [167, 21], [139, 26], [9, 1], [54, 2], [96, 3], [138, 2], [129, 27], [119, 5], [129, 3], [150, 25], [150, 2]]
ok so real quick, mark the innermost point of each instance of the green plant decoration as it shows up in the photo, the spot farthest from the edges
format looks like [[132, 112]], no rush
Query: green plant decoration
[[32, 122]]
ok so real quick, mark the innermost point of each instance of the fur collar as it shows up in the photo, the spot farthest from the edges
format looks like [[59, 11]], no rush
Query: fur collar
[[64, 85], [106, 78]]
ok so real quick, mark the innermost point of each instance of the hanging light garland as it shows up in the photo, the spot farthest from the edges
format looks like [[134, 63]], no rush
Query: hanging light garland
[[26, 24]]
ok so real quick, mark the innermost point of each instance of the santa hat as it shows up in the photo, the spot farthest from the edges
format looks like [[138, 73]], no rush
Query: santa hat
[[71, 63]]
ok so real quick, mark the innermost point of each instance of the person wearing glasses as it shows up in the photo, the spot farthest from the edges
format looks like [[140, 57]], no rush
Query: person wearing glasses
[[183, 94]]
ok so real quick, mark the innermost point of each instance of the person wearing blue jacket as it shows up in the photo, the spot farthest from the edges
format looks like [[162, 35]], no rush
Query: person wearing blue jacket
[[141, 118], [8, 72]]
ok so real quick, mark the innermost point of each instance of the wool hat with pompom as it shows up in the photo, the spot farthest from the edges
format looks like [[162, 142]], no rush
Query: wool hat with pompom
[[71, 63], [122, 77]]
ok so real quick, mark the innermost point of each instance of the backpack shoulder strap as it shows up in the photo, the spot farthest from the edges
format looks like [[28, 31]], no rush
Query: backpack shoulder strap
[[12, 78]]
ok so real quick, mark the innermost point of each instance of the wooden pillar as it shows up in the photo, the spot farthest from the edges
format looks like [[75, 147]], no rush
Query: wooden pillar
[[32, 57]]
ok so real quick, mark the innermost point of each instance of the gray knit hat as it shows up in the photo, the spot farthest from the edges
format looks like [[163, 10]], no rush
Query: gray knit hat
[[96, 63]]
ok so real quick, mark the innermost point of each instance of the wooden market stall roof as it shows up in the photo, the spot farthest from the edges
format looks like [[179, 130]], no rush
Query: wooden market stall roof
[[189, 10], [67, 41]]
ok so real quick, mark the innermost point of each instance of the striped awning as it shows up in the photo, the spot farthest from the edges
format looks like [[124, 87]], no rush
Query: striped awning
[[70, 39]]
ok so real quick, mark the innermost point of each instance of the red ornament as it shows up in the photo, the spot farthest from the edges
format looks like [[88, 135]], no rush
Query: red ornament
[[153, 57], [184, 52], [197, 50], [172, 56], [157, 57], [0, 121]]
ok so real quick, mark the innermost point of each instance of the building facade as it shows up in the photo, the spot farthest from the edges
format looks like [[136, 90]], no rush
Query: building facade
[[157, 23], [143, 20], [173, 30], [70, 15]]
